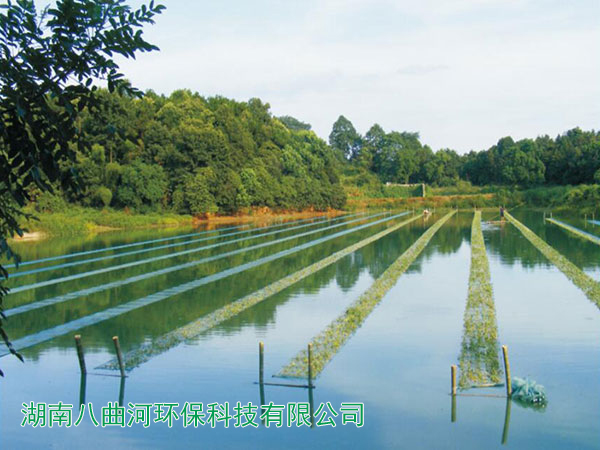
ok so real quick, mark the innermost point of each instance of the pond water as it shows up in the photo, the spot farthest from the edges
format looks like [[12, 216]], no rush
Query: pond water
[[397, 363]]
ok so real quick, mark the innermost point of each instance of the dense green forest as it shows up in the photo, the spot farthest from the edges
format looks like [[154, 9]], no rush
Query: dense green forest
[[399, 157], [188, 154], [196, 155]]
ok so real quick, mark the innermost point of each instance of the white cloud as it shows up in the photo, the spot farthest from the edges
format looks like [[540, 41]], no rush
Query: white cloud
[[461, 73]]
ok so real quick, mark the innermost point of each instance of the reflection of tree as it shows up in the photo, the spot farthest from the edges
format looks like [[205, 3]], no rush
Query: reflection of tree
[[162, 317], [159, 318], [479, 363]]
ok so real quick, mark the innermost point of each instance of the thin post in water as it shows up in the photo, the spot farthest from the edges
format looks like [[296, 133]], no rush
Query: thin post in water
[[506, 422], [507, 371], [261, 362], [309, 351], [119, 355], [122, 391], [453, 378], [80, 354], [82, 385], [453, 409]]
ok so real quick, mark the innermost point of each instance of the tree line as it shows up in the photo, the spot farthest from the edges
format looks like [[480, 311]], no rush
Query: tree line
[[197, 155], [399, 157]]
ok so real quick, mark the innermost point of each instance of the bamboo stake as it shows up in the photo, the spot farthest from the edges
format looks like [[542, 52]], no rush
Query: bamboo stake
[[309, 351], [119, 355], [261, 362], [453, 409], [311, 403], [507, 370], [80, 355], [82, 385], [453, 378], [122, 391], [506, 422]]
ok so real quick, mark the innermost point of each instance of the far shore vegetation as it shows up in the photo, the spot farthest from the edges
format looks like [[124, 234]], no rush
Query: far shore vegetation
[[184, 158]]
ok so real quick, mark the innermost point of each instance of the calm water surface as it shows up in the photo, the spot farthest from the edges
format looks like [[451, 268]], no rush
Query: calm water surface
[[397, 363]]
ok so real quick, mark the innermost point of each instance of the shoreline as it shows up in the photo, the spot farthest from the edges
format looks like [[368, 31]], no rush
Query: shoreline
[[259, 217]]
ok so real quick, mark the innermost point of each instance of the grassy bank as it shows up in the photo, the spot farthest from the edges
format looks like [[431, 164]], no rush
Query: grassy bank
[[80, 220]]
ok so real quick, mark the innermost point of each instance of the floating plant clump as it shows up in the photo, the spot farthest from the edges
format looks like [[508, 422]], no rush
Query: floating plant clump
[[590, 237], [331, 339], [479, 362], [149, 349], [587, 284]]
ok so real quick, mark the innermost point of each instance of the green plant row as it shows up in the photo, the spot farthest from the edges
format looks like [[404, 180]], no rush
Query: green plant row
[[478, 360], [146, 351], [587, 284], [327, 343], [576, 231]]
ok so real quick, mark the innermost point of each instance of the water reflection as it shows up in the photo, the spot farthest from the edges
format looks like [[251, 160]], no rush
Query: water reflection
[[158, 319]]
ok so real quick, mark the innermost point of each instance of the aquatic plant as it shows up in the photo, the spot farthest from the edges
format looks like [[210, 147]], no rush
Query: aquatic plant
[[194, 263], [589, 286], [478, 360], [327, 343], [149, 349], [262, 233], [590, 237], [123, 308]]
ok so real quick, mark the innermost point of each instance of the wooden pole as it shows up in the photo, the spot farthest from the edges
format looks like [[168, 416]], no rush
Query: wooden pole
[[453, 410], [119, 355], [507, 371], [122, 391], [453, 379], [309, 350], [311, 403], [82, 383], [506, 422], [80, 354], [261, 362]]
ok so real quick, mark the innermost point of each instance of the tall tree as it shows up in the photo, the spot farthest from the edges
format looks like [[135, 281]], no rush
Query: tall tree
[[49, 62], [344, 138]]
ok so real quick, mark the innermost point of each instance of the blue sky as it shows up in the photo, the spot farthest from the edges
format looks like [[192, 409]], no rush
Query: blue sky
[[462, 73]]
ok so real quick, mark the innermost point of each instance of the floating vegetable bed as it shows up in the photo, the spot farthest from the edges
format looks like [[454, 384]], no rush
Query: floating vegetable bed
[[329, 341], [160, 345], [479, 362], [587, 284], [576, 231]]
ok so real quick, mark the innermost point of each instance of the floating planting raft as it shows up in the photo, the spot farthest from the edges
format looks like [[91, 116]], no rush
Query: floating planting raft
[[139, 262], [587, 284], [589, 236], [146, 351], [331, 339], [123, 308], [479, 362]]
